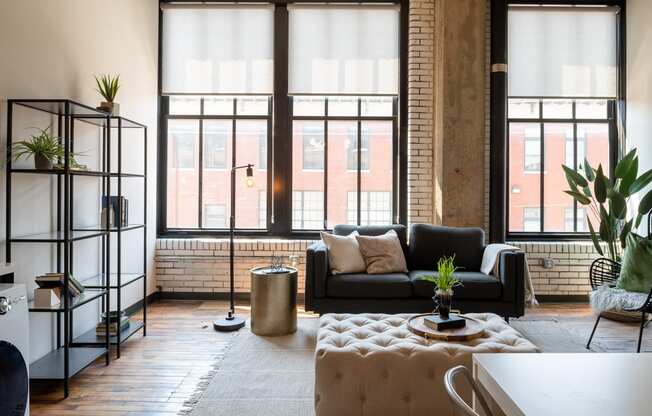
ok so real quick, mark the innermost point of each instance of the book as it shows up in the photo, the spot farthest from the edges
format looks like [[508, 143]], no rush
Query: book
[[438, 324], [100, 329], [56, 280], [118, 210]]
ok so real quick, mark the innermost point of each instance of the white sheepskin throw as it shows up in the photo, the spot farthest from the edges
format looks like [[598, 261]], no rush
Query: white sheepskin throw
[[607, 298]]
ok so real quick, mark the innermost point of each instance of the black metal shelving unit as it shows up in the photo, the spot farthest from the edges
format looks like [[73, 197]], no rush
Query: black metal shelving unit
[[119, 280], [73, 354], [67, 359]]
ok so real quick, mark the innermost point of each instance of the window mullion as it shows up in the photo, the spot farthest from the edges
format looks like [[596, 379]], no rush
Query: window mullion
[[542, 164], [200, 202], [325, 164], [575, 161], [359, 185]]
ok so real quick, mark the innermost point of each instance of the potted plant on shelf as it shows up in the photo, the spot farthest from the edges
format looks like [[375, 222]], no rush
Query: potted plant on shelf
[[45, 148], [608, 199], [108, 86], [445, 281]]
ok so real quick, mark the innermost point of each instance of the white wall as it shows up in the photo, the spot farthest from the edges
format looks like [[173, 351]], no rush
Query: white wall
[[52, 49], [639, 82]]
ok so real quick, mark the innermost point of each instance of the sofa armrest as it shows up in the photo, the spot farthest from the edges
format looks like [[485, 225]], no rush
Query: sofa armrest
[[512, 277], [317, 270]]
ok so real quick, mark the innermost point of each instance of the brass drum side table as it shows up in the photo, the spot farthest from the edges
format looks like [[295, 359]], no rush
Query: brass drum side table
[[273, 301]]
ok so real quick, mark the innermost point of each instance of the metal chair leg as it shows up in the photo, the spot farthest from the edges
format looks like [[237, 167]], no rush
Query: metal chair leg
[[640, 333], [588, 344]]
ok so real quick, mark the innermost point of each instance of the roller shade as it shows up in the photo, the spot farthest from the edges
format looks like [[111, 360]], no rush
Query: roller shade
[[562, 51], [217, 49], [343, 49]]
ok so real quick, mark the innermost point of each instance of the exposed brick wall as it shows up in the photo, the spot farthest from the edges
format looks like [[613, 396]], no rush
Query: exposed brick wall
[[420, 111], [202, 265], [570, 274], [184, 265]]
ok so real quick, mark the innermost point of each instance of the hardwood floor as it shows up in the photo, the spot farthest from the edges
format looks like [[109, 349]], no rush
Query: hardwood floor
[[157, 374]]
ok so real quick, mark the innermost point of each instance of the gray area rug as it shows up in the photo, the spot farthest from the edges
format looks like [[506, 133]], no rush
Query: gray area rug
[[270, 376], [551, 336], [274, 376]]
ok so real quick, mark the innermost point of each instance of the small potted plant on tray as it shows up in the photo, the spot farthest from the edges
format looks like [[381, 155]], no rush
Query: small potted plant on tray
[[108, 86], [445, 281]]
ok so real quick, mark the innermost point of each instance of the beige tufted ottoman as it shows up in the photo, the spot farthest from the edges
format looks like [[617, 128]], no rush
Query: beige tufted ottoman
[[372, 365]]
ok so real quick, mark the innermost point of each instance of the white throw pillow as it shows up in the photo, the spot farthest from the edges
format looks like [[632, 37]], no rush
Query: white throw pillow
[[344, 253]]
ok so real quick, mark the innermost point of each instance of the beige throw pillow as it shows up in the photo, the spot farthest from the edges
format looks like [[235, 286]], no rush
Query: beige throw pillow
[[344, 253], [383, 253]]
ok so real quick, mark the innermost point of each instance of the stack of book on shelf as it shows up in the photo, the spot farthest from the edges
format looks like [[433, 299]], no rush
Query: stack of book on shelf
[[50, 289], [117, 322]]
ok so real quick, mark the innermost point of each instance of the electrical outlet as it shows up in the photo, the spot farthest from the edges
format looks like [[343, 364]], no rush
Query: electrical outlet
[[548, 263]]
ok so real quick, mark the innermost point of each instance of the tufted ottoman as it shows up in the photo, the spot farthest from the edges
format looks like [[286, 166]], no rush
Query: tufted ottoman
[[372, 365]]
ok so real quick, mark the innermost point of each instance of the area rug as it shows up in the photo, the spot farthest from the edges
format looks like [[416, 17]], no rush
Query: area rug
[[549, 335], [271, 376], [274, 376]]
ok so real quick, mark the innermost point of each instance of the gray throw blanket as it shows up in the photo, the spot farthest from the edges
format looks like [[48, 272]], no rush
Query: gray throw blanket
[[491, 265]]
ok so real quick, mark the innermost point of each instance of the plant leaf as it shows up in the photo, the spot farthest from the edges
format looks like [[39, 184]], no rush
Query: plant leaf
[[641, 182], [625, 232], [624, 163], [587, 191], [600, 186], [645, 206], [618, 205], [579, 197], [588, 171], [574, 177], [594, 237], [629, 178]]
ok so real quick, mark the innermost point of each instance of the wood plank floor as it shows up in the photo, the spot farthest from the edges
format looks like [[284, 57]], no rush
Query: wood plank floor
[[157, 374]]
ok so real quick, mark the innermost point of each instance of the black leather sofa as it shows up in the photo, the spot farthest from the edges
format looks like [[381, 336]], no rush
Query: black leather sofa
[[405, 293]]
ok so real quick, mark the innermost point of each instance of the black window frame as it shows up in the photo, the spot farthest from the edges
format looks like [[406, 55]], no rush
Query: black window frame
[[499, 137], [359, 119], [279, 157], [572, 120]]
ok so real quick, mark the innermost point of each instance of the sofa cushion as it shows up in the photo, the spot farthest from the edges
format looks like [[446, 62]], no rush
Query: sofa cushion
[[428, 243], [476, 286], [401, 231], [382, 254], [394, 285]]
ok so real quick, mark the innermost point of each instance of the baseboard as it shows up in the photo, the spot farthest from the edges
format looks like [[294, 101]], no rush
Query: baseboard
[[151, 298], [562, 298], [242, 296]]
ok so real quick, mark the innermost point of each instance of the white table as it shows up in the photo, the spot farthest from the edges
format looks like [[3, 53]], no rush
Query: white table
[[567, 384]]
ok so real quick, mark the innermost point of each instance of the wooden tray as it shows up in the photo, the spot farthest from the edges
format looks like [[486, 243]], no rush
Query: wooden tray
[[473, 329]]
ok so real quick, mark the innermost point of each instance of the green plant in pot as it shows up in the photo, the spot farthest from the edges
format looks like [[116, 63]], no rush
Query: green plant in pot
[[108, 86], [45, 148], [609, 199], [445, 281]]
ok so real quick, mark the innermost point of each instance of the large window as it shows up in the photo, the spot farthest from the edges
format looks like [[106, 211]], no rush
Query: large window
[[348, 147], [314, 95], [562, 92]]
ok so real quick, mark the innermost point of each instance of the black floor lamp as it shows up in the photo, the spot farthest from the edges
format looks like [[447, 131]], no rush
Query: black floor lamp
[[232, 322]]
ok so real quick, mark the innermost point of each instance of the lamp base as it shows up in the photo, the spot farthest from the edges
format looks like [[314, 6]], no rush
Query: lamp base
[[228, 325]]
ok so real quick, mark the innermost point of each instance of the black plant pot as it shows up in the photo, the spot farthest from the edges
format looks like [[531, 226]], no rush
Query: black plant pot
[[443, 301], [41, 162]]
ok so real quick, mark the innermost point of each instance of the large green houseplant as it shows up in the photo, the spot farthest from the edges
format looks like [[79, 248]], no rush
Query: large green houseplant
[[608, 199]]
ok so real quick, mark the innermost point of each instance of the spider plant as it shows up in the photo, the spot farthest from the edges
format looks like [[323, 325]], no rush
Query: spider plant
[[44, 147], [445, 279], [108, 86]]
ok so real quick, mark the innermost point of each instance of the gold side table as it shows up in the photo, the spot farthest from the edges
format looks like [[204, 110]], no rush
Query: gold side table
[[273, 301]]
